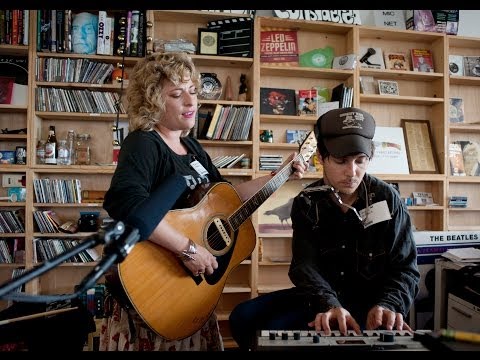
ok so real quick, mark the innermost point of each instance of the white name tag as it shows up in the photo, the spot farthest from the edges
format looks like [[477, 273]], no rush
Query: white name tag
[[198, 168], [375, 213]]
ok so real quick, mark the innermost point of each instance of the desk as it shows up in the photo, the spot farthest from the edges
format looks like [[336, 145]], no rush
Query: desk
[[443, 284]]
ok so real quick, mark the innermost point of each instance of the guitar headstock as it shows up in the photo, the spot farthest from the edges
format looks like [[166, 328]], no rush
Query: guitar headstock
[[308, 147]]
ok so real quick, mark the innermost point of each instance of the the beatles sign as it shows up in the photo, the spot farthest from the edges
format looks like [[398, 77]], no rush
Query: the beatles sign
[[336, 16]]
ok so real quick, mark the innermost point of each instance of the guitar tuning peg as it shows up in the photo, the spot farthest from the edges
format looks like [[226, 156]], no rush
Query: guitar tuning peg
[[120, 65], [149, 24], [114, 127], [149, 52], [115, 143], [119, 79], [120, 51], [149, 39], [122, 21], [121, 37]]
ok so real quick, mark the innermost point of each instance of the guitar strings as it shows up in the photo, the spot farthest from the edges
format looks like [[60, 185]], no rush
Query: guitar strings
[[234, 221]]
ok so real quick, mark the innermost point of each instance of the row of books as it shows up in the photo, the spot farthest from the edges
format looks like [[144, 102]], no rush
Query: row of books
[[464, 158], [227, 161], [270, 162], [122, 33], [457, 201], [77, 100], [14, 27], [12, 221], [47, 221], [46, 249], [6, 254], [304, 102], [61, 191], [72, 70], [227, 122], [416, 59]]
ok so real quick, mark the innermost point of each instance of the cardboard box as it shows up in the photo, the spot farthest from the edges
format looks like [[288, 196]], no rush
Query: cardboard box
[[442, 21]]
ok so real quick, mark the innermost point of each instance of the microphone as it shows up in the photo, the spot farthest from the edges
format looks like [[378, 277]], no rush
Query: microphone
[[320, 188], [148, 214], [370, 52]]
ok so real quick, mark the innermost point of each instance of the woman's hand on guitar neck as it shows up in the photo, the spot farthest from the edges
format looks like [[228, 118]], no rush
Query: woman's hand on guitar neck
[[198, 259]]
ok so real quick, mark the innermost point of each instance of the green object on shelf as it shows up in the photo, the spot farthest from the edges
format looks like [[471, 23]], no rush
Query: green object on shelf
[[321, 58]]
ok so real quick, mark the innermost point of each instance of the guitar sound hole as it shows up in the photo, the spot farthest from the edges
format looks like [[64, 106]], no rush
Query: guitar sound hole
[[217, 240]]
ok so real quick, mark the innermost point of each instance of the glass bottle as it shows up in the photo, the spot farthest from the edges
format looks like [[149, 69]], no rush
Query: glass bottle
[[51, 151], [62, 153], [82, 149], [71, 147], [41, 151]]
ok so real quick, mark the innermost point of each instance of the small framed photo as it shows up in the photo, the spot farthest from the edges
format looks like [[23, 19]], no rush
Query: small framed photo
[[207, 42], [386, 87]]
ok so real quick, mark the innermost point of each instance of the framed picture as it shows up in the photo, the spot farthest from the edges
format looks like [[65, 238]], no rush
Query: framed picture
[[207, 42], [420, 152], [386, 87]]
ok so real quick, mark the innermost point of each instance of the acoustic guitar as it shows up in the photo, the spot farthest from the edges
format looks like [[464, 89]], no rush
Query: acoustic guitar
[[171, 301]]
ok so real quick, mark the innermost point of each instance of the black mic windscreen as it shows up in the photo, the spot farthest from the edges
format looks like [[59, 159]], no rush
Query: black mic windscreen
[[152, 210]]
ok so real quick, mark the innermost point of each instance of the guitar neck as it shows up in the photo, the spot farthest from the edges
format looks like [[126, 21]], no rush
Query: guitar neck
[[252, 204]]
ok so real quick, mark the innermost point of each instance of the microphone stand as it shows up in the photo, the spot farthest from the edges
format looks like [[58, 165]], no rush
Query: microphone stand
[[118, 240]]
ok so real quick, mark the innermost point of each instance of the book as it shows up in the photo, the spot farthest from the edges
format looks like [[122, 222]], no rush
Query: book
[[274, 213], [456, 111], [387, 87], [396, 61], [471, 66], [455, 155], [322, 108], [307, 102], [338, 94], [323, 94], [390, 152], [277, 101], [345, 62], [16, 67], [471, 157], [455, 65], [318, 58], [6, 89], [296, 136], [368, 85], [469, 254], [422, 60], [279, 47], [371, 58]]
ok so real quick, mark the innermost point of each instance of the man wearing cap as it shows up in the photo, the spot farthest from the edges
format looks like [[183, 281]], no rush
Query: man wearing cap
[[354, 260]]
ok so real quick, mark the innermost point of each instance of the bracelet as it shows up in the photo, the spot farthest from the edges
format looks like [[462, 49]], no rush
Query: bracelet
[[186, 255]]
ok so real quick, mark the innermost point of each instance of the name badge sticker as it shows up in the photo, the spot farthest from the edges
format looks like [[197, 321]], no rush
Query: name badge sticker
[[199, 168], [375, 213]]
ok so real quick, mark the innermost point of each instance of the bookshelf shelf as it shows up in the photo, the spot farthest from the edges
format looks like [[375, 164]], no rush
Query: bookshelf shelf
[[400, 74], [292, 71], [71, 116], [393, 99]]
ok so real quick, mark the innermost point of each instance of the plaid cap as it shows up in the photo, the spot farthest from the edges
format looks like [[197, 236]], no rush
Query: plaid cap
[[346, 131]]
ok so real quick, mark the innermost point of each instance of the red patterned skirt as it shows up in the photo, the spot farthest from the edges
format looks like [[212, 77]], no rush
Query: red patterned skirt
[[124, 330]]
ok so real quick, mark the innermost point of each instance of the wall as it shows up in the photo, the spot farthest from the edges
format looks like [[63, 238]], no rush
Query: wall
[[468, 20]]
